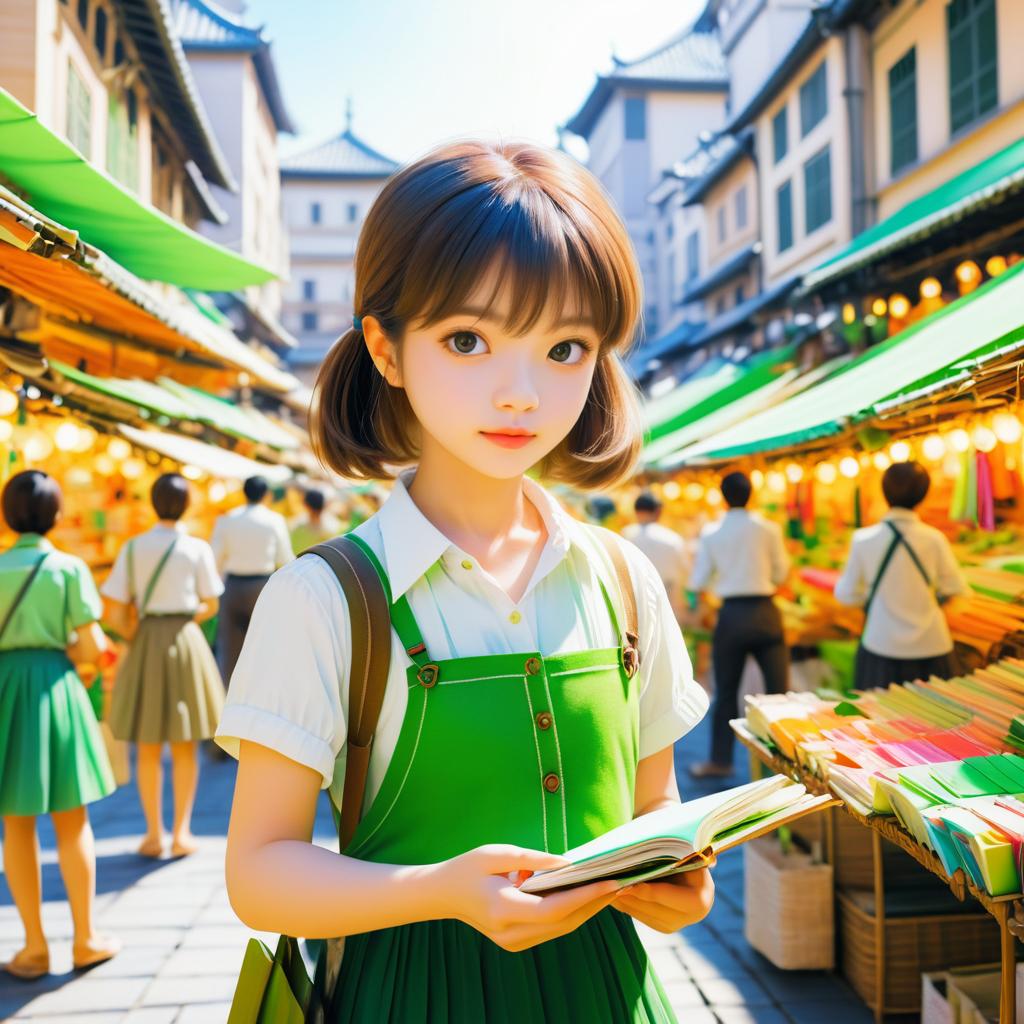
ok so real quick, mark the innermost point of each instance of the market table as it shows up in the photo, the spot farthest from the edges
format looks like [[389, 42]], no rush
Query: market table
[[1000, 907]]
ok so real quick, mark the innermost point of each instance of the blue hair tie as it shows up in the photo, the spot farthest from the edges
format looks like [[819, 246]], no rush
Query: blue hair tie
[[357, 322]]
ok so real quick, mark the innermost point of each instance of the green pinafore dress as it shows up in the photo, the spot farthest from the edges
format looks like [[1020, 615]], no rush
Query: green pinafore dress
[[518, 748]]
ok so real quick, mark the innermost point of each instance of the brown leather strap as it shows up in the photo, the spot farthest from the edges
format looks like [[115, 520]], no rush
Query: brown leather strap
[[631, 624], [370, 617]]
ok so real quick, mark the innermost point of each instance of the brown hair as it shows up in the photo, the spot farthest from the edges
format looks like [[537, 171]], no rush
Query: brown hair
[[544, 222]]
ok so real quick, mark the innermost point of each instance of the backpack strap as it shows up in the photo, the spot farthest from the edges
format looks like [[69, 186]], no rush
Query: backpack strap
[[155, 578], [897, 540], [631, 621], [21, 594], [369, 614]]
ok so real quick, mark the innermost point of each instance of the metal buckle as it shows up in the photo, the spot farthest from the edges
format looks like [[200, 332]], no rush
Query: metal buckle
[[428, 675], [631, 654]]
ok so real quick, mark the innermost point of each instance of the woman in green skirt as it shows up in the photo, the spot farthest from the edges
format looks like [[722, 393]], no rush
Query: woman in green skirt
[[52, 757], [527, 709], [168, 690]]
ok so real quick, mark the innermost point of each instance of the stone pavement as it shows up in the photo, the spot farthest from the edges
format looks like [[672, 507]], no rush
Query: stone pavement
[[183, 944]]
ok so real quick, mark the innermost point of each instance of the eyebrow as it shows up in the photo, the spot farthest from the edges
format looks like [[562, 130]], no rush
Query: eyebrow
[[483, 314]]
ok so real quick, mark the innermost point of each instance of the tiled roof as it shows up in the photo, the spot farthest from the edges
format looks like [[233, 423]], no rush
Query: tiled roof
[[691, 61], [344, 156], [204, 25]]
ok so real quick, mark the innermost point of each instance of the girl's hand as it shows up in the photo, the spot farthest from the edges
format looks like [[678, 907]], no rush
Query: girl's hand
[[669, 904], [481, 888]]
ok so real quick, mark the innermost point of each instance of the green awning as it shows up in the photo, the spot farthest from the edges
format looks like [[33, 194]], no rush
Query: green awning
[[710, 379], [986, 182], [141, 393], [55, 177], [988, 319]]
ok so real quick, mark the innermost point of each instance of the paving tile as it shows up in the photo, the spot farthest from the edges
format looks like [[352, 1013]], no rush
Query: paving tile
[[150, 1015], [198, 988], [711, 960], [667, 965], [78, 1018], [87, 995], [846, 1009], [788, 987], [209, 936], [204, 1013], [751, 1015], [733, 992], [683, 995], [133, 962], [191, 962]]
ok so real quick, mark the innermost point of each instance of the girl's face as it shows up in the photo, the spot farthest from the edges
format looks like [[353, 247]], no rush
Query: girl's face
[[498, 402]]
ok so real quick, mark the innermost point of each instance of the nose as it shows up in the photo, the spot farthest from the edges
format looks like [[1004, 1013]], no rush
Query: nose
[[516, 390]]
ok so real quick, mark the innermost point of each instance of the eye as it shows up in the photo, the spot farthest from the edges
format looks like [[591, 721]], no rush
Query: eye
[[569, 352], [466, 343]]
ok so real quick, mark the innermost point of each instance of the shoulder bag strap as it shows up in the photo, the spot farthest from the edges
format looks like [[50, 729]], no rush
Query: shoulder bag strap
[[883, 568], [913, 554], [369, 614], [154, 579], [20, 596], [627, 592]]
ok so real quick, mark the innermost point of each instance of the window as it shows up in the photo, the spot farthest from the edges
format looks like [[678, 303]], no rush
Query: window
[[720, 305], [636, 117], [741, 207], [780, 134], [903, 111], [784, 214], [740, 294], [973, 86], [693, 256], [83, 14], [310, 321], [308, 290], [99, 33], [813, 99], [314, 213], [721, 223], [79, 112], [353, 213], [118, 53], [818, 191], [123, 140]]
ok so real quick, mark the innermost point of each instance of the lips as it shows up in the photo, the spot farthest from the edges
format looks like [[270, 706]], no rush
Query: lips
[[509, 437]]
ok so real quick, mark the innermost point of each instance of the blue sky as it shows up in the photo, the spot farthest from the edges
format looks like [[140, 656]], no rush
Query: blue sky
[[422, 71]]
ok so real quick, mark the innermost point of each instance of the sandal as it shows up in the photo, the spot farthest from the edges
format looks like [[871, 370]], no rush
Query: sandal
[[28, 967], [107, 950]]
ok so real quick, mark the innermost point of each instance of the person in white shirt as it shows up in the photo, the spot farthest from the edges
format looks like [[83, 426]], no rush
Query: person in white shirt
[[664, 547], [743, 558], [168, 689], [900, 571], [249, 544]]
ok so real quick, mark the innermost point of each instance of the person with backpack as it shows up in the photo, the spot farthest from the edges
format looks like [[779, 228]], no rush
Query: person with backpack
[[901, 571], [52, 757], [168, 690], [493, 682]]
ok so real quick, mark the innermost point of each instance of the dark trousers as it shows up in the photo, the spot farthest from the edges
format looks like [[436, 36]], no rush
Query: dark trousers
[[876, 670], [746, 625], [236, 605]]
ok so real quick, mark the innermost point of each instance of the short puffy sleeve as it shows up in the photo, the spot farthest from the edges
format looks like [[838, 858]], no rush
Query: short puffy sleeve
[[672, 702], [208, 581], [117, 585], [83, 599], [286, 689]]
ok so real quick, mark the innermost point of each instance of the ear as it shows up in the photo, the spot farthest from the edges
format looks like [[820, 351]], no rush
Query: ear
[[382, 351]]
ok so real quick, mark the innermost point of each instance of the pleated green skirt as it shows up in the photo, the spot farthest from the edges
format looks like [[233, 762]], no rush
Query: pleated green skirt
[[445, 972], [52, 756]]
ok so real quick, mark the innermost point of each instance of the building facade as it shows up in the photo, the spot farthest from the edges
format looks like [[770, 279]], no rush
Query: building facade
[[326, 192]]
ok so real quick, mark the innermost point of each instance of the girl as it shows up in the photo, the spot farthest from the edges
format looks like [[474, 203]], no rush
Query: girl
[[168, 689], [496, 290], [52, 758]]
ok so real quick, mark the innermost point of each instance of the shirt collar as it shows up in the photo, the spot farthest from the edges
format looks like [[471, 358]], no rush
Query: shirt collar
[[413, 544], [736, 513], [178, 527], [902, 513], [33, 540]]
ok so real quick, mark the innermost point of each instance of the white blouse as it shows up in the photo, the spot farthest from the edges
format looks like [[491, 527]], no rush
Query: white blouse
[[289, 690]]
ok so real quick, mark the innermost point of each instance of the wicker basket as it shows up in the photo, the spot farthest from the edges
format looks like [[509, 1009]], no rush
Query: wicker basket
[[789, 901], [913, 945], [852, 859]]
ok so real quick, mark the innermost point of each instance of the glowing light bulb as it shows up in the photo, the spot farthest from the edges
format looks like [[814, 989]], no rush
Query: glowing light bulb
[[899, 451], [32, 393], [951, 465], [899, 306], [881, 461], [6, 430], [995, 265], [191, 472], [86, 439], [8, 402], [968, 273], [217, 492], [671, 490], [794, 473], [132, 469], [959, 440], [37, 446], [66, 437], [713, 497], [78, 476], [1007, 427], [826, 473], [849, 312], [931, 288], [104, 465], [849, 467], [879, 307], [776, 482], [119, 449], [933, 448], [756, 479], [693, 491], [984, 438]]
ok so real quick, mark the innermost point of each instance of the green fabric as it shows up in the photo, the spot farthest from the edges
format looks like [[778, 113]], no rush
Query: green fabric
[[988, 319], [228, 417], [56, 178], [141, 393], [984, 181], [694, 389], [62, 597], [52, 756]]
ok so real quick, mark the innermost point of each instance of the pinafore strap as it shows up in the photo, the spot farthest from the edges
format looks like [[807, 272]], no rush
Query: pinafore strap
[[21, 594], [153, 579]]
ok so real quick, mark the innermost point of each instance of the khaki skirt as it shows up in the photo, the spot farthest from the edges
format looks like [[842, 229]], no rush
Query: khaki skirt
[[168, 689]]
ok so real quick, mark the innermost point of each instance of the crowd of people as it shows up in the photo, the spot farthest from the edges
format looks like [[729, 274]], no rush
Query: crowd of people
[[58, 631]]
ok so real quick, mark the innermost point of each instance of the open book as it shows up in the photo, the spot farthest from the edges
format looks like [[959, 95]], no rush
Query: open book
[[682, 838]]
